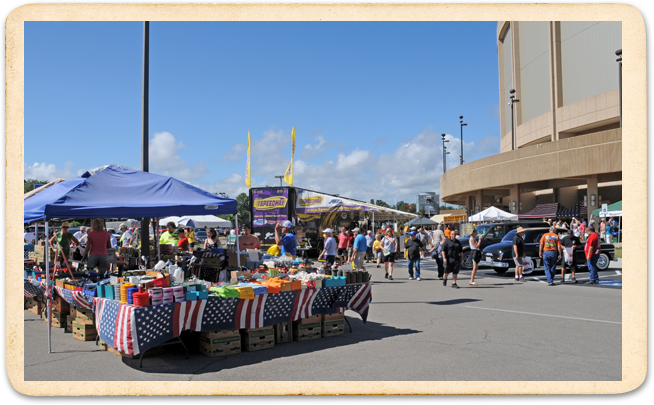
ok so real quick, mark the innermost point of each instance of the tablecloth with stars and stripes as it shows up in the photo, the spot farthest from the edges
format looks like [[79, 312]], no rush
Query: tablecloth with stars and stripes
[[78, 299], [133, 330]]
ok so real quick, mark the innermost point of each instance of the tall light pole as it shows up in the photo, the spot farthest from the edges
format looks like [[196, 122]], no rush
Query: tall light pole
[[280, 180], [145, 150], [444, 154], [619, 60], [511, 103], [462, 125]]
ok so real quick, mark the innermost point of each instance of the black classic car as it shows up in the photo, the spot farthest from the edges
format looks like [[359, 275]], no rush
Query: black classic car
[[499, 256], [491, 234]]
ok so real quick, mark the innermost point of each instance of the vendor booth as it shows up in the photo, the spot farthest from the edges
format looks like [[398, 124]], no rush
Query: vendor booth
[[281, 298]]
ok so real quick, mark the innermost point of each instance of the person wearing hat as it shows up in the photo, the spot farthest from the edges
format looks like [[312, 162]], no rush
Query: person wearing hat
[[359, 249], [287, 242], [329, 252], [570, 242], [64, 238], [414, 247], [127, 237], [518, 252], [550, 252], [170, 236]]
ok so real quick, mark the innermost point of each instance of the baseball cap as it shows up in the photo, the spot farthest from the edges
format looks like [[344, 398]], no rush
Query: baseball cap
[[328, 230], [122, 226], [413, 228], [356, 230], [412, 233], [287, 224]]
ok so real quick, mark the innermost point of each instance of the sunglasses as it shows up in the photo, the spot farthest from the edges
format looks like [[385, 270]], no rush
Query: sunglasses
[[65, 227]]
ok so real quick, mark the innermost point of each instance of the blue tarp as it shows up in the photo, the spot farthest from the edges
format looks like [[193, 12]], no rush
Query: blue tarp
[[119, 192]]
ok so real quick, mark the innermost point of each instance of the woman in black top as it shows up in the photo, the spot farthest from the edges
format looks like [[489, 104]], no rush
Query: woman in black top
[[212, 241]]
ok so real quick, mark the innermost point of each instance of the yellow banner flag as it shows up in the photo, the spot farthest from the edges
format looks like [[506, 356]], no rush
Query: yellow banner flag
[[288, 176], [247, 167]]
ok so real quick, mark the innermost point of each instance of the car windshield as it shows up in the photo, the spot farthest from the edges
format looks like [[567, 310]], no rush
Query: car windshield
[[509, 236], [481, 230]]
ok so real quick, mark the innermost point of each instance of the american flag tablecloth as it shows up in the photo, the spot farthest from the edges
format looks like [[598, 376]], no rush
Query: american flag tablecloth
[[133, 330], [33, 287], [75, 298]]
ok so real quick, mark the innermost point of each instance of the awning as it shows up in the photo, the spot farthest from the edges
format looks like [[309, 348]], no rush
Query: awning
[[492, 214], [542, 211], [578, 210], [613, 210]]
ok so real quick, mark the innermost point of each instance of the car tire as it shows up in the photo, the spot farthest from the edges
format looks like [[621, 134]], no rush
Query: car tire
[[501, 270], [466, 262], [603, 262]]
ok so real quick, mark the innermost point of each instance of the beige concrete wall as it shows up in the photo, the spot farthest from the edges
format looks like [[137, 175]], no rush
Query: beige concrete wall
[[579, 156], [603, 108], [534, 130]]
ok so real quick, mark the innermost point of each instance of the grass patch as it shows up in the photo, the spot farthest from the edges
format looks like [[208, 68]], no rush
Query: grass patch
[[618, 253]]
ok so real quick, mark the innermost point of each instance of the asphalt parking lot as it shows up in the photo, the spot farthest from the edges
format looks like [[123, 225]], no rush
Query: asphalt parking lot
[[501, 330]]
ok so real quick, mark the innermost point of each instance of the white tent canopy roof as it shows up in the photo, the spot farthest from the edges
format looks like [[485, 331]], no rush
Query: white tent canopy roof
[[492, 214], [210, 221]]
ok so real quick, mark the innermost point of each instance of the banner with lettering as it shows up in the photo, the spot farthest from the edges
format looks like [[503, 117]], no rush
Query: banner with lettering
[[269, 207]]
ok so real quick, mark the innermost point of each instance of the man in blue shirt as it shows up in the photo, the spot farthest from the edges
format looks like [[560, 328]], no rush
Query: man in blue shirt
[[330, 248], [359, 252], [288, 242]]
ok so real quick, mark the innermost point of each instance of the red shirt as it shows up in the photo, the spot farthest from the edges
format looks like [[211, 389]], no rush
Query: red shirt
[[98, 241], [592, 245], [350, 241], [342, 240]]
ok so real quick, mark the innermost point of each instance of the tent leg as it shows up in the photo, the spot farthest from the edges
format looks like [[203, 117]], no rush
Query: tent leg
[[238, 254], [48, 288]]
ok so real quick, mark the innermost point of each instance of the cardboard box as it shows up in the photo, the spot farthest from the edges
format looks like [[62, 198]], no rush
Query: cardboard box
[[310, 319], [73, 312], [212, 261], [233, 260], [149, 352], [85, 317], [60, 305], [220, 333], [332, 317], [102, 345], [237, 274], [310, 331], [69, 323], [285, 285], [84, 332], [333, 328], [58, 320], [258, 339], [283, 332], [222, 346]]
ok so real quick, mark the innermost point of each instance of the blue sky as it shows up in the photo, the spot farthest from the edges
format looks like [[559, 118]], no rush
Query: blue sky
[[368, 100]]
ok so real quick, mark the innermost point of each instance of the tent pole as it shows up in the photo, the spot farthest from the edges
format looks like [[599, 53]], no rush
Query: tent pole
[[238, 252], [156, 237], [48, 288]]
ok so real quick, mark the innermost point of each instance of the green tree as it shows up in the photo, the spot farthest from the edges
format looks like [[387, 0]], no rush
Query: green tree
[[382, 203], [29, 184], [243, 207]]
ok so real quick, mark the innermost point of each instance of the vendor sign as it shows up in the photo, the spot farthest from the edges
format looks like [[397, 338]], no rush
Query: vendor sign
[[310, 202]]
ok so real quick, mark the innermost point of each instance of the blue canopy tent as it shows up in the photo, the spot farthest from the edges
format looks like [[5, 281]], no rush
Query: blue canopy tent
[[119, 192]]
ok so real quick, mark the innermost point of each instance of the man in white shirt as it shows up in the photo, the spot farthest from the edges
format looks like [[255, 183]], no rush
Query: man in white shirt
[[370, 240], [127, 236], [82, 231], [29, 238]]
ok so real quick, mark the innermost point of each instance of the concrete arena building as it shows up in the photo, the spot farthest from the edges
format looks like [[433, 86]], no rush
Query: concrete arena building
[[567, 146]]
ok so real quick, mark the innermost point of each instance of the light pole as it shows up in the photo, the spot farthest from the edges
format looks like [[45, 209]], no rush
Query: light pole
[[145, 131], [462, 125], [444, 154], [280, 180], [513, 101], [619, 60]]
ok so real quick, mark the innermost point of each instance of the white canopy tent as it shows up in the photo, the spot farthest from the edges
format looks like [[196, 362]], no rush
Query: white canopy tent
[[492, 214], [210, 221]]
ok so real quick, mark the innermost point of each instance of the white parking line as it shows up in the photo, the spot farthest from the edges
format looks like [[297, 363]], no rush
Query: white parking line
[[552, 316], [618, 272], [537, 279]]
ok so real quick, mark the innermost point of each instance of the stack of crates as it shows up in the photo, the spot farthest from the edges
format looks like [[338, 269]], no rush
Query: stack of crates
[[258, 338], [333, 324], [307, 328], [84, 325]]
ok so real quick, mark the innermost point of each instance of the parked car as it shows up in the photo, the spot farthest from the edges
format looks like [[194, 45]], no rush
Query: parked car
[[499, 256], [200, 237], [492, 234]]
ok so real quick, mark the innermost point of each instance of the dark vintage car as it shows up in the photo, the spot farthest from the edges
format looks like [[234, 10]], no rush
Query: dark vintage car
[[491, 234], [499, 256]]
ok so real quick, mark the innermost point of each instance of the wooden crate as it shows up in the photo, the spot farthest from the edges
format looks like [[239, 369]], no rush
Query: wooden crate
[[220, 334], [333, 328], [310, 331], [84, 332], [258, 339], [283, 332], [221, 346], [85, 316]]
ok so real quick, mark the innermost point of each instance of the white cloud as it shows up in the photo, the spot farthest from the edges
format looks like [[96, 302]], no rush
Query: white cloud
[[49, 171], [165, 158], [234, 153]]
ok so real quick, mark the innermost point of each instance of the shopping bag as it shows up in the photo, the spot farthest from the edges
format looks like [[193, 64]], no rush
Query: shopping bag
[[274, 250], [568, 255], [527, 268]]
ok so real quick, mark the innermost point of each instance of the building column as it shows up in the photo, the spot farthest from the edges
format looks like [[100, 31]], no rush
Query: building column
[[515, 197], [479, 201], [556, 194], [591, 195]]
